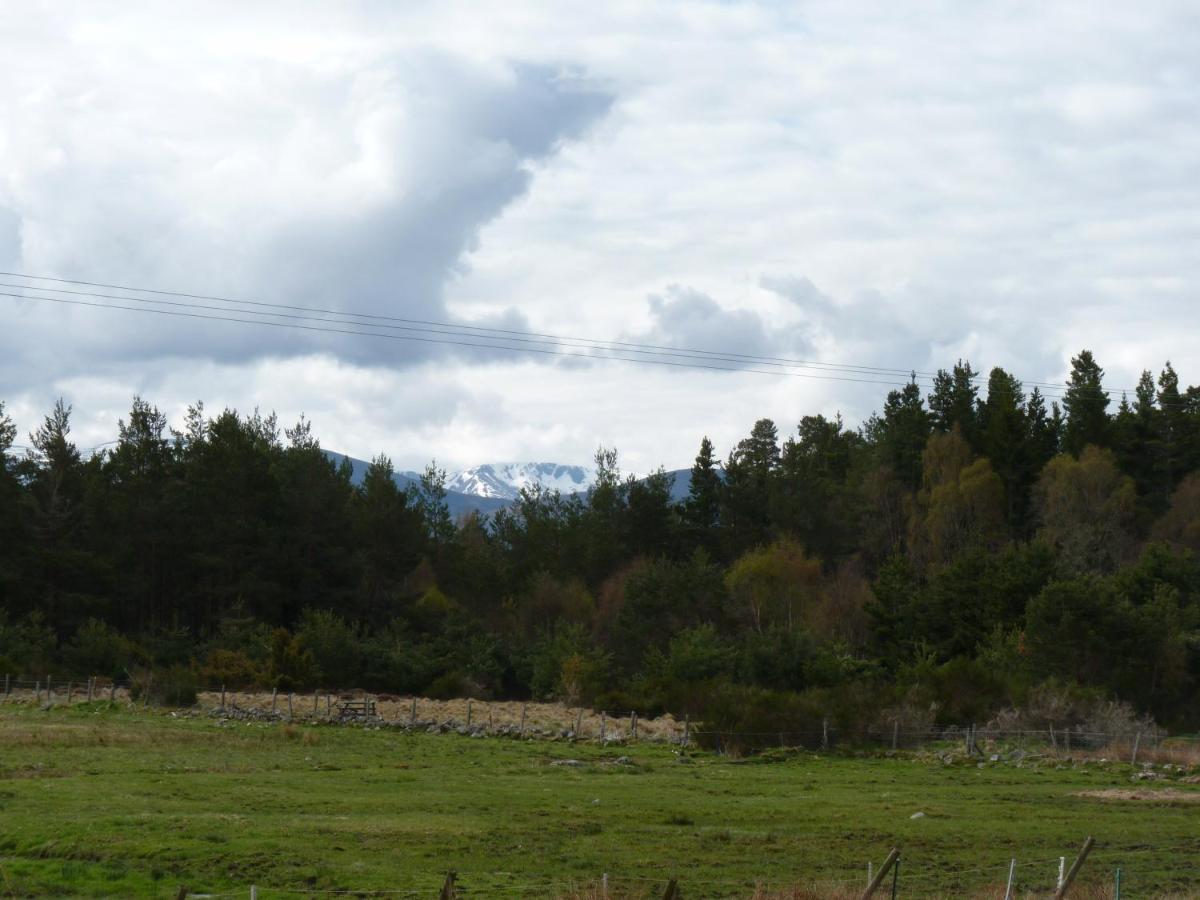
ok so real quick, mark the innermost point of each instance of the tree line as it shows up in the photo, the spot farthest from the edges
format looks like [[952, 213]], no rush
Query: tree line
[[964, 554]]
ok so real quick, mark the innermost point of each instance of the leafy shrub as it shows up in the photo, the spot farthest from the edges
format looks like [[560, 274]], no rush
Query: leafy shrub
[[169, 686], [97, 649], [230, 668]]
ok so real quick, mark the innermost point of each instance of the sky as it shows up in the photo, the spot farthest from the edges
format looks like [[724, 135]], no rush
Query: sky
[[867, 184]]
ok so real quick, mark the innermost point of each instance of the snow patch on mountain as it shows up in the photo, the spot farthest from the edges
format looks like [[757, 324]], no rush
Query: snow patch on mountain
[[505, 480]]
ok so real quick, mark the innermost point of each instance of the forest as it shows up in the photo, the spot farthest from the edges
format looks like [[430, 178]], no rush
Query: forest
[[971, 552]]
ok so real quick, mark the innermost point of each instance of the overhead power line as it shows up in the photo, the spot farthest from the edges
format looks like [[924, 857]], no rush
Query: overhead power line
[[466, 335], [426, 340], [480, 330], [484, 331], [736, 359]]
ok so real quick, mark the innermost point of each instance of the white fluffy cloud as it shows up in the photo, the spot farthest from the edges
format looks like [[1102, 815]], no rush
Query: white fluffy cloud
[[862, 184]]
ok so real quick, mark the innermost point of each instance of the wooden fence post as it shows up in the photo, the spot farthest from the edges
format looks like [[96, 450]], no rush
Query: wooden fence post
[[881, 874], [91, 687], [448, 891], [895, 732], [825, 733], [112, 692], [289, 706], [672, 891], [328, 706], [687, 729], [253, 892], [49, 689], [37, 693], [524, 710], [70, 691], [316, 701], [222, 698], [274, 700], [412, 716], [1137, 741], [6, 688], [633, 725], [1075, 867], [468, 713], [603, 723], [579, 723]]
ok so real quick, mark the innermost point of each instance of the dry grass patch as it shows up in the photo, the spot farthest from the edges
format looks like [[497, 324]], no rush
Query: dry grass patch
[[1152, 795]]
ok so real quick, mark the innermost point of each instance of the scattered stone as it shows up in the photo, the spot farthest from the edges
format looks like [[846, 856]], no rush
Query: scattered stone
[[572, 763], [917, 815]]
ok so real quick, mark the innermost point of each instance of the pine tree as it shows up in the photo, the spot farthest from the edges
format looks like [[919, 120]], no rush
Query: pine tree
[[954, 401], [1086, 405], [439, 526], [901, 433], [747, 492], [702, 508], [1003, 431]]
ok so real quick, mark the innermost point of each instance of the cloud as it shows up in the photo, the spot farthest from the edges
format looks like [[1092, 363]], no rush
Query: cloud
[[876, 187], [688, 319], [356, 186]]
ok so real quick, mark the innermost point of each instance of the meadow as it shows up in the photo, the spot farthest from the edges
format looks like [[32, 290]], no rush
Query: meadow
[[101, 800]]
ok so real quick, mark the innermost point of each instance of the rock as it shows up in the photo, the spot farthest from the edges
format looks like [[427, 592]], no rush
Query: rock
[[624, 761], [572, 763], [917, 815], [995, 757]]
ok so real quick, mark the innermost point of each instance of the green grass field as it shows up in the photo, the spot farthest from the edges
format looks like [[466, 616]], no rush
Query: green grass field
[[100, 801]]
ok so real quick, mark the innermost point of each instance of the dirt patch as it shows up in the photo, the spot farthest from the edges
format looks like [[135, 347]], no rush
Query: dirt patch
[[1160, 795]]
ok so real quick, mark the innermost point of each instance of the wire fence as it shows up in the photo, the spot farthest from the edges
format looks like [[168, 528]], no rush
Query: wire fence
[[550, 720], [1068, 875]]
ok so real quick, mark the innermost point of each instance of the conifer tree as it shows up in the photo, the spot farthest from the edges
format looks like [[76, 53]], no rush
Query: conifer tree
[[954, 401], [1086, 405], [701, 509]]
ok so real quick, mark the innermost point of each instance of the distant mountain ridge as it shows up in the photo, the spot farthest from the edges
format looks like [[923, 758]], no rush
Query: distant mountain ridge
[[492, 486], [505, 480]]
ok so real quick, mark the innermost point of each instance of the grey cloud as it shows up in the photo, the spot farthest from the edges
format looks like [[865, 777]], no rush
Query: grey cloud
[[683, 317], [359, 191]]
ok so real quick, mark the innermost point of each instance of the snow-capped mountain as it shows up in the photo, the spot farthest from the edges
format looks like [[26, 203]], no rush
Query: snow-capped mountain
[[505, 480]]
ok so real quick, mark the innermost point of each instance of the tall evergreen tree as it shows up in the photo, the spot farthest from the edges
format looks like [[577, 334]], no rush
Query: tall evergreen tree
[[439, 526], [901, 433], [1003, 431], [1086, 405], [748, 473], [954, 401], [702, 508]]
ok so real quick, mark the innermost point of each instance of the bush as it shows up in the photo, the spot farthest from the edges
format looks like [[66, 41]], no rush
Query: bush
[[170, 686], [229, 668], [451, 686], [335, 647], [742, 718], [291, 664]]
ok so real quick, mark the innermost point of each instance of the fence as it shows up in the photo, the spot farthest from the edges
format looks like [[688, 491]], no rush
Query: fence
[[1052, 877], [553, 720]]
